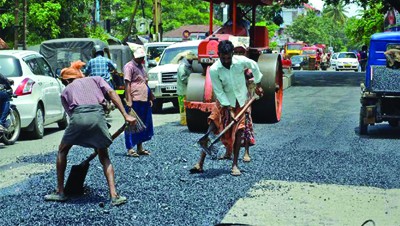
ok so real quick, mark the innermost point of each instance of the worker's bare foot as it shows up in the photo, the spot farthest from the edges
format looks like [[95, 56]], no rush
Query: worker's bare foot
[[196, 169], [235, 171], [246, 158]]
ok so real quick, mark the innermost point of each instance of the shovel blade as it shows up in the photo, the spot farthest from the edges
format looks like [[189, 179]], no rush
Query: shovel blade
[[76, 179]]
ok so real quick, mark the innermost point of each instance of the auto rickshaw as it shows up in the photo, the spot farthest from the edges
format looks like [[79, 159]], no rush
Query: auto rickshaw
[[120, 55], [200, 99], [61, 52]]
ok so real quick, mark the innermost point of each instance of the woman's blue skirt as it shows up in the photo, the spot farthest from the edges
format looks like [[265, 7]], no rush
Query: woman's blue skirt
[[143, 110]]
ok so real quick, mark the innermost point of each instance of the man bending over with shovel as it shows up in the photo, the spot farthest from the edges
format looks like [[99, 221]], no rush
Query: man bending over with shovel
[[83, 100], [229, 86]]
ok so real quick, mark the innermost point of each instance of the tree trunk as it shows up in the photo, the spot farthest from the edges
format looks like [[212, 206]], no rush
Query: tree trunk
[[132, 20]]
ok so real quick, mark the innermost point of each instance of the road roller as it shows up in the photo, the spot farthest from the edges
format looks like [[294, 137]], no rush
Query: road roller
[[199, 97]]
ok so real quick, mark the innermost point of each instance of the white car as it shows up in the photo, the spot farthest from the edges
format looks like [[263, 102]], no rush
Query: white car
[[347, 61], [334, 60], [37, 88], [153, 53], [162, 78]]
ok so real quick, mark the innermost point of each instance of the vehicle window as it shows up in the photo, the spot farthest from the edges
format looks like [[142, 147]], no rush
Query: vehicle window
[[116, 57], [45, 67], [66, 56], [10, 66], [347, 55], [170, 53], [393, 46], [34, 66], [294, 47], [309, 52], [154, 51]]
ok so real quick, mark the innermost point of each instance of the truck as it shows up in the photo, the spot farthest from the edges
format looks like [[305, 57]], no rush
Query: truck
[[200, 99], [380, 92], [294, 48], [162, 78]]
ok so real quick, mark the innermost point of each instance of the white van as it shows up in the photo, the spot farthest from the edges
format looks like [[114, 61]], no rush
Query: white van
[[162, 78], [153, 53]]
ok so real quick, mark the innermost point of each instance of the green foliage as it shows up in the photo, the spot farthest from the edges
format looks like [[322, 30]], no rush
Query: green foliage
[[359, 31], [97, 32], [43, 18], [336, 12], [365, 3], [312, 29]]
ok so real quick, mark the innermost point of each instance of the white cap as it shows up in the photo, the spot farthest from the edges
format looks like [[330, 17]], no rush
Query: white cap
[[138, 50]]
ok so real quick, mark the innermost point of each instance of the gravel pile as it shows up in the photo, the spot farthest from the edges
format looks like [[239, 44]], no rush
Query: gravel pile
[[308, 145]]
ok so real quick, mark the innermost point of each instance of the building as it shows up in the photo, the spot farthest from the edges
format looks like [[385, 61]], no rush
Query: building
[[290, 14], [196, 32]]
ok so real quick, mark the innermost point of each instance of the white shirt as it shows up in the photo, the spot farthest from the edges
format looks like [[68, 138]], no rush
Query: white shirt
[[229, 85]]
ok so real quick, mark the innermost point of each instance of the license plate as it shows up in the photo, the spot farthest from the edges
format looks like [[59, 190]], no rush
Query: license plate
[[347, 65], [170, 88]]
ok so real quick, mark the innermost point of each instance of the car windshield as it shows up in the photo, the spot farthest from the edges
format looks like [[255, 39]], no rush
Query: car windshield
[[171, 53], [347, 55], [296, 59], [10, 66], [154, 51], [294, 46], [310, 52]]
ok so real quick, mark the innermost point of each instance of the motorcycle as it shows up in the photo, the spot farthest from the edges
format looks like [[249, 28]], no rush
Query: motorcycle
[[13, 125]]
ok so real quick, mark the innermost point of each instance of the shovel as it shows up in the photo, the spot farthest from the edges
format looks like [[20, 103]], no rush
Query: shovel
[[208, 150], [77, 175]]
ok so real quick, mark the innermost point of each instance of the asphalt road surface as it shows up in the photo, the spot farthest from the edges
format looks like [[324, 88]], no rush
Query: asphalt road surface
[[311, 168]]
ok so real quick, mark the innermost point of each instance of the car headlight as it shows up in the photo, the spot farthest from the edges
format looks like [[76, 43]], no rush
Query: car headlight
[[355, 63], [153, 76]]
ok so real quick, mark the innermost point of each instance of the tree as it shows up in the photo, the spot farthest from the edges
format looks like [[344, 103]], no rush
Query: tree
[[359, 31], [312, 29], [336, 12], [364, 3]]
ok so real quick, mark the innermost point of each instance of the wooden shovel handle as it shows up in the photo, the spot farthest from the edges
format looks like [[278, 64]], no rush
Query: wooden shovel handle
[[235, 120]]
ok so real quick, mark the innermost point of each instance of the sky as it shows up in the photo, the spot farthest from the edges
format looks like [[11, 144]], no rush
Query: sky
[[351, 8]]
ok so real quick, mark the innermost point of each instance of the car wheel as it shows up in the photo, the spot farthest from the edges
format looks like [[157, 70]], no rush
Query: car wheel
[[38, 124], [157, 106], [175, 103], [12, 134], [63, 123], [393, 123]]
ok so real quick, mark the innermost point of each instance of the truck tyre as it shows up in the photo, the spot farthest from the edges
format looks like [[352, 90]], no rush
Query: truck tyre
[[393, 123], [268, 109], [197, 120], [363, 128], [157, 106]]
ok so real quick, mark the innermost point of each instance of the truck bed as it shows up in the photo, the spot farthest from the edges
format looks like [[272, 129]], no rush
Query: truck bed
[[385, 80]]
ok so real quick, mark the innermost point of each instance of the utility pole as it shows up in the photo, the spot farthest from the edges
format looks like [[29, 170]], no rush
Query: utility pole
[[157, 19], [16, 24], [24, 22]]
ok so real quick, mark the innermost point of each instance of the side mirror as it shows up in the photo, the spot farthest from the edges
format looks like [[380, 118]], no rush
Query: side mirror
[[152, 63], [58, 72]]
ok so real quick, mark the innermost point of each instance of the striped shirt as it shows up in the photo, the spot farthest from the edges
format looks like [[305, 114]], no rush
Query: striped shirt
[[100, 66], [84, 91], [136, 78]]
